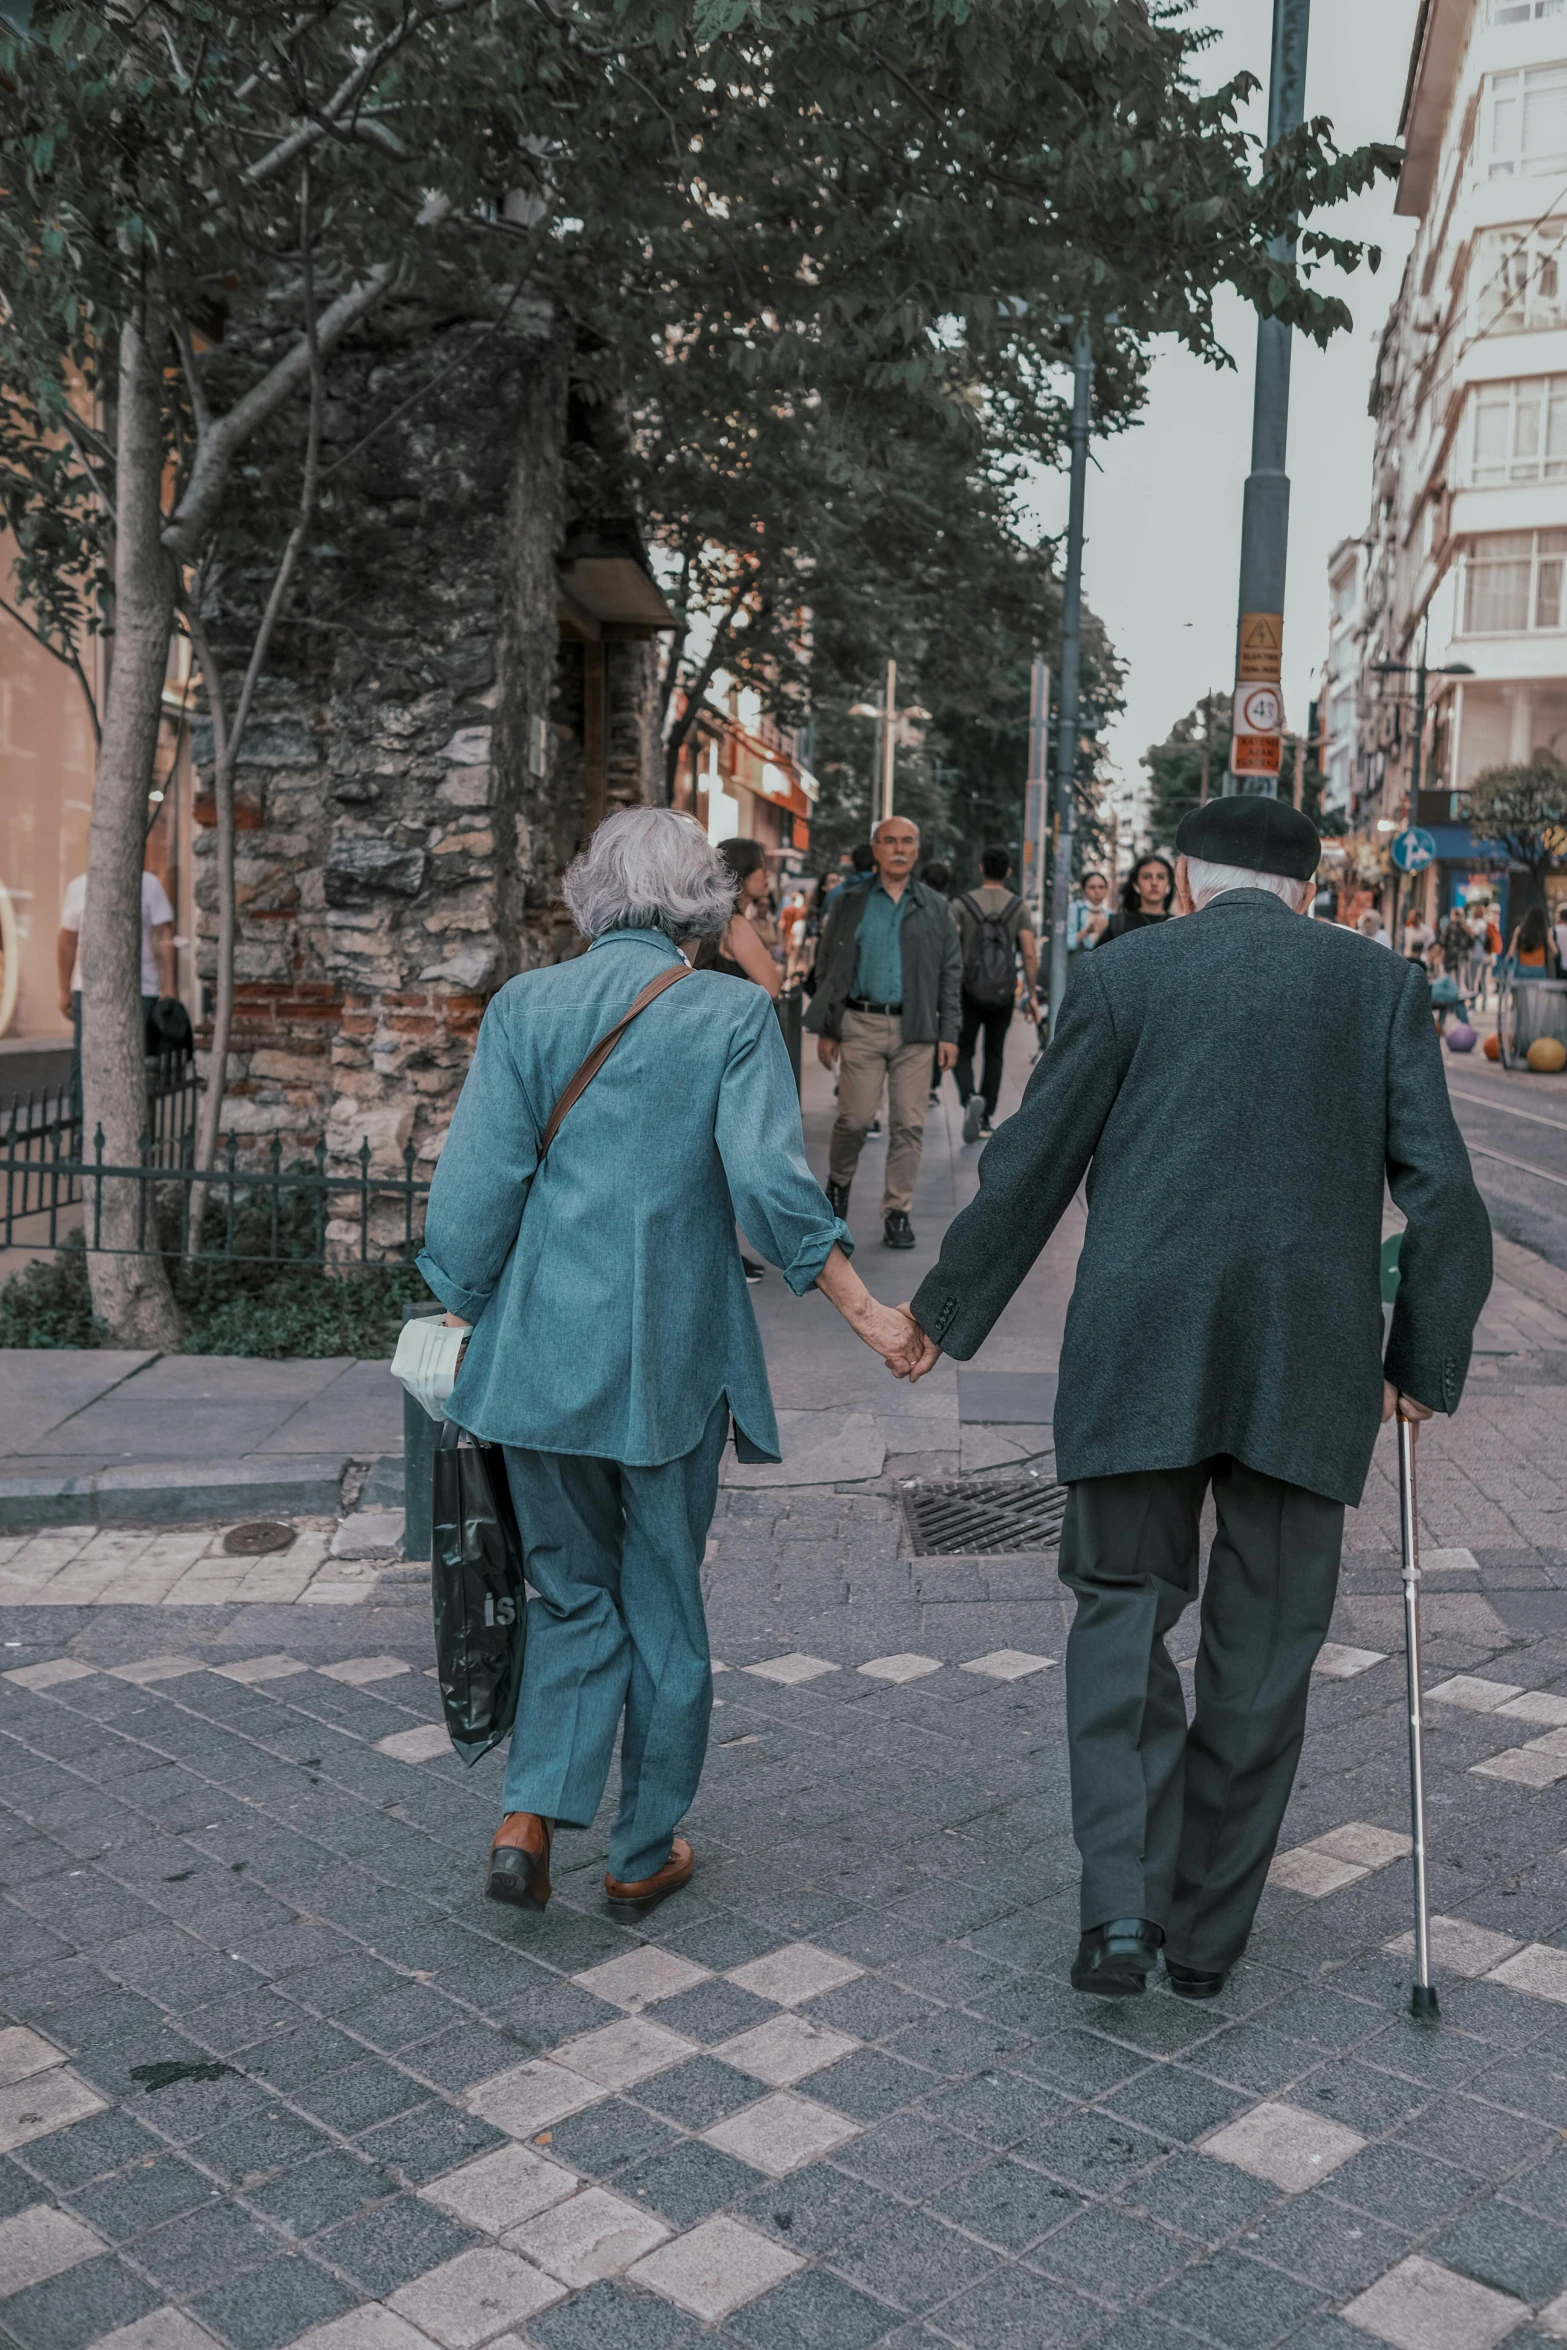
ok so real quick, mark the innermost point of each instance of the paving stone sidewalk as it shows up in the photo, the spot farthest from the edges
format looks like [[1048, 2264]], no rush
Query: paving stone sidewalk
[[273, 2073]]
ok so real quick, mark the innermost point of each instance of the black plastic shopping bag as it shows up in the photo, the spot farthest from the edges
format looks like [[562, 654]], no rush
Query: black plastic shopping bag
[[476, 1585]]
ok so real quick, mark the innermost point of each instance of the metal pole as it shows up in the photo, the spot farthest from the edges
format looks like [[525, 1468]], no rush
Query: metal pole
[[1071, 661], [1411, 795], [1036, 793], [1265, 515], [890, 714], [1422, 1999]]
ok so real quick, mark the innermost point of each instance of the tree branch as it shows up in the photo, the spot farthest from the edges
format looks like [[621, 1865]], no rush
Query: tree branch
[[307, 134], [192, 517], [70, 660]]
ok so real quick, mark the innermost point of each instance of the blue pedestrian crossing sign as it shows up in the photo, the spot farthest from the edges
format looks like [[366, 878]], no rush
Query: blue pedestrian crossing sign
[[1413, 849]]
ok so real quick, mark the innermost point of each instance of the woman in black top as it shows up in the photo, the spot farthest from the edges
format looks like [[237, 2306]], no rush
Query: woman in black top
[[1147, 898], [740, 954]]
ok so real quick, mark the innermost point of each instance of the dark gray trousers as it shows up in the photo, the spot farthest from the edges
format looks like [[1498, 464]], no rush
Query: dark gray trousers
[[1178, 1823]]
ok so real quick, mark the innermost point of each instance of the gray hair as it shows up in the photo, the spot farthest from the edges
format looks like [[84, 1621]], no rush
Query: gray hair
[[1207, 880], [650, 869]]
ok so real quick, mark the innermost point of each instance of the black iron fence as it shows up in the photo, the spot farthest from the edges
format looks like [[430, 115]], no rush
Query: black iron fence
[[267, 1213], [41, 1146]]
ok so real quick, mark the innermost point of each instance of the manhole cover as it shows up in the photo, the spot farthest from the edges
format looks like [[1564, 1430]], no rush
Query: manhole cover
[[968, 1517], [257, 1538]]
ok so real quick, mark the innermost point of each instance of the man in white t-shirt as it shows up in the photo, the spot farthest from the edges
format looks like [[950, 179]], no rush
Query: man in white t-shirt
[[157, 947]]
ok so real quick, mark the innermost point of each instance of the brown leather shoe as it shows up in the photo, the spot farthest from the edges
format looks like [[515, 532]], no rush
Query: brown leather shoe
[[519, 1870], [647, 1892]]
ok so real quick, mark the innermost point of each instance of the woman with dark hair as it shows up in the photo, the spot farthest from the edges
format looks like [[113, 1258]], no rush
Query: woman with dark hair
[[1147, 897], [1531, 946], [742, 953]]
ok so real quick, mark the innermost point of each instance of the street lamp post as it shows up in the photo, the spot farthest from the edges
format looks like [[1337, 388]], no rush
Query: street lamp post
[[1071, 659], [887, 716], [1257, 746]]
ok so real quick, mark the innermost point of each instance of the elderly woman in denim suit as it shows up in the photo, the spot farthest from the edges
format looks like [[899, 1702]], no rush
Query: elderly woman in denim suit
[[613, 1339]]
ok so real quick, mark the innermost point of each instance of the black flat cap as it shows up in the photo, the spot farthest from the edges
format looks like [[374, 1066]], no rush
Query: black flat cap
[[1259, 835]]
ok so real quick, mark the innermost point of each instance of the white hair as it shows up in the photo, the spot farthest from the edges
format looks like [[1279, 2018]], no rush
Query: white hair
[[650, 869], [1207, 880], [885, 820]]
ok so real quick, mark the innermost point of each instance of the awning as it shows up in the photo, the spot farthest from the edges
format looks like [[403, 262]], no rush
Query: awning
[[1456, 845]]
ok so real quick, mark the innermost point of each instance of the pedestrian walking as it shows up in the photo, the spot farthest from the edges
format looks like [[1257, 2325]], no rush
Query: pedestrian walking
[[1147, 898], [741, 952], [1418, 935], [857, 871], [1530, 947], [994, 929], [157, 959], [887, 984], [1088, 915], [613, 1342], [1243, 1085], [1370, 926], [938, 877], [1455, 942]]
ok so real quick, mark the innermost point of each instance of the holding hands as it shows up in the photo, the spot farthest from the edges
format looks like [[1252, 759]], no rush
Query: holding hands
[[890, 1331]]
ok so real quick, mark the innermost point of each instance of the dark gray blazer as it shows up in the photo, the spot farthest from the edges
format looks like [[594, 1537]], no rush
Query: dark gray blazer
[[1240, 1083], [932, 966]]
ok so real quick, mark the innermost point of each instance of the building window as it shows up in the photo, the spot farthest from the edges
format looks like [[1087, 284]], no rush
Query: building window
[[1524, 11], [1520, 432], [1528, 122], [1517, 280], [1513, 582]]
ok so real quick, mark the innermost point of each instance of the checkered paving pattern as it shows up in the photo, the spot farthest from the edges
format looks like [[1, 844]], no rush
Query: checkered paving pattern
[[273, 2073]]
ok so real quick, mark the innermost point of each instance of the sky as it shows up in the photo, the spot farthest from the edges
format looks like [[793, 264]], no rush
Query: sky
[[1164, 504]]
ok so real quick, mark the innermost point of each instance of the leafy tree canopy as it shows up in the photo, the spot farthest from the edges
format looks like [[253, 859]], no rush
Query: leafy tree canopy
[[1524, 809]]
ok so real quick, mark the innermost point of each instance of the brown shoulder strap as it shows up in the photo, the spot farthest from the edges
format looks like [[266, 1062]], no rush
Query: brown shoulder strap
[[602, 1050]]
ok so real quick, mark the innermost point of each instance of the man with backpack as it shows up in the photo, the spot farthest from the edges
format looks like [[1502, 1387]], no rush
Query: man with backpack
[[993, 928]]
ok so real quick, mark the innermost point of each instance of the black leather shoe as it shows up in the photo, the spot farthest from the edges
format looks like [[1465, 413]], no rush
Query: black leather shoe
[[838, 1198], [1115, 1960], [897, 1231], [1190, 1982]]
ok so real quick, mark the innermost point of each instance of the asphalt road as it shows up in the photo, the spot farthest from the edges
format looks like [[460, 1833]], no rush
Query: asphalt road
[[1516, 1127]]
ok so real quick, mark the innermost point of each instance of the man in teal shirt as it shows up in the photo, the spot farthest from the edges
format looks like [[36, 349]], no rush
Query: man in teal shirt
[[887, 984]]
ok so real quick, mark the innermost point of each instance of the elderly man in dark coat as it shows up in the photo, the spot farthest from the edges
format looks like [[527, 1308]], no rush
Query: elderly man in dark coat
[[1238, 1087]]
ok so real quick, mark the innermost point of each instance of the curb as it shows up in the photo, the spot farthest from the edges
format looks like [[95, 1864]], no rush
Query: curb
[[173, 1493]]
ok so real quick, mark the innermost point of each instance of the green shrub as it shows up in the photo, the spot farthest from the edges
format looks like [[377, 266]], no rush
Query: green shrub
[[240, 1305]]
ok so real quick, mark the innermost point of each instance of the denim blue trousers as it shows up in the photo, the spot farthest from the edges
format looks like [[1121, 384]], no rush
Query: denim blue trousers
[[618, 1628]]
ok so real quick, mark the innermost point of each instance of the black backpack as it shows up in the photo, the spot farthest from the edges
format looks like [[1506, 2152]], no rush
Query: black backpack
[[989, 966]]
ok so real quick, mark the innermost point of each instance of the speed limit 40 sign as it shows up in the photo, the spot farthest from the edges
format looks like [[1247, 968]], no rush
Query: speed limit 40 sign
[[1257, 748]]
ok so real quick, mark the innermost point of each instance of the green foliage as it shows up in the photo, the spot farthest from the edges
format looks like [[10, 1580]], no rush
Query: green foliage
[[231, 1307], [1525, 809], [1175, 765], [809, 251]]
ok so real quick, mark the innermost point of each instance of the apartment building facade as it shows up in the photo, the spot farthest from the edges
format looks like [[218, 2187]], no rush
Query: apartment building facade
[[1462, 565]]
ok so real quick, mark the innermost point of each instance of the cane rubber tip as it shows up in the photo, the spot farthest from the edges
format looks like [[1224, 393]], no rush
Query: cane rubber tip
[[1422, 2003]]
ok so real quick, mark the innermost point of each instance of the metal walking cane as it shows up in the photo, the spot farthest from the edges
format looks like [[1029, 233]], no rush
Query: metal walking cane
[[1422, 1999]]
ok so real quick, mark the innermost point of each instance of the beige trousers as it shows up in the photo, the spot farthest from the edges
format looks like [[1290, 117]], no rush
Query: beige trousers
[[872, 1053]]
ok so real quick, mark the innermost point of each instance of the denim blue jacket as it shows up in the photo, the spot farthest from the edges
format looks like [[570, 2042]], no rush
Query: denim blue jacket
[[609, 1306]]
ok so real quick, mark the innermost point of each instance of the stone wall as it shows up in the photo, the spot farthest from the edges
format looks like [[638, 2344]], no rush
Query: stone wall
[[410, 788]]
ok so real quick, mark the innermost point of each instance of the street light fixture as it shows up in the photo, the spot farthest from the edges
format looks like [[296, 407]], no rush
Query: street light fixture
[[887, 714]]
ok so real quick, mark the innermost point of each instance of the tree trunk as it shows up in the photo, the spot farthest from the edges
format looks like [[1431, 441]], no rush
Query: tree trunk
[[130, 1292]]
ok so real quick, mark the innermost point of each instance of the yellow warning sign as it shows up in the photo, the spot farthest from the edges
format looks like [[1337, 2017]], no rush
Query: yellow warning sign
[[1262, 646]]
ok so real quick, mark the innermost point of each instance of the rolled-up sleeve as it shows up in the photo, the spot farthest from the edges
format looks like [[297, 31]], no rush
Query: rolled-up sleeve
[[777, 1201], [481, 1178]]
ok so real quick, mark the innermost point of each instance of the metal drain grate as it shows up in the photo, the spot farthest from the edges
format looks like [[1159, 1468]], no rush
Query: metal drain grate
[[971, 1518]]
